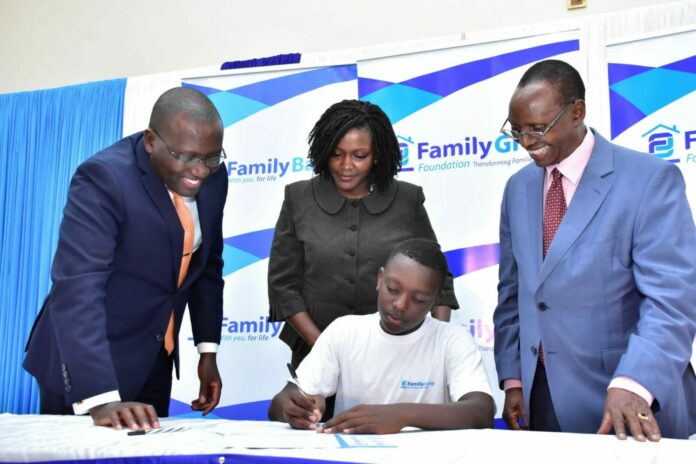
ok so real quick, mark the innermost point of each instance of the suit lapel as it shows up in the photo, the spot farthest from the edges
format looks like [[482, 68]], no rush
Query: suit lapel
[[594, 186], [534, 191], [163, 203]]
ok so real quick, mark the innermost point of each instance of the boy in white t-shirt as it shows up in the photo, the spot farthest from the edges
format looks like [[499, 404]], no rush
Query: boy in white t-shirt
[[397, 368]]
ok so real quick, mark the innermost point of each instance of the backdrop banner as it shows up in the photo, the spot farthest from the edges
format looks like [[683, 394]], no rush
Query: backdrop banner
[[267, 116], [447, 107], [447, 104], [651, 101]]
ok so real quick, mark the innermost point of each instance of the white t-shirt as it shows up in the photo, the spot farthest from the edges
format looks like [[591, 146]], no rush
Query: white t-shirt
[[360, 363]]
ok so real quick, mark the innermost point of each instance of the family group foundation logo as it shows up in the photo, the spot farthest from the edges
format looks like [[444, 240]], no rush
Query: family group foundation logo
[[661, 142], [404, 146], [468, 152], [400, 100], [668, 142]]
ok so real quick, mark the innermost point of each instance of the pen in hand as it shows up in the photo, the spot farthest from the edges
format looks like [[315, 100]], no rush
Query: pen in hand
[[297, 382]]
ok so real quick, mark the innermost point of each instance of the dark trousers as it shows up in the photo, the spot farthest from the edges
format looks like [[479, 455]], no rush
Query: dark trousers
[[542, 416], [156, 391]]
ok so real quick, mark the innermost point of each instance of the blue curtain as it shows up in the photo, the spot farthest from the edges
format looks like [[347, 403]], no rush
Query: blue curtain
[[44, 135]]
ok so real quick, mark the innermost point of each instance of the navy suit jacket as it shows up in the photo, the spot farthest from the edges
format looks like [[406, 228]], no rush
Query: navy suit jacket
[[615, 296], [115, 276]]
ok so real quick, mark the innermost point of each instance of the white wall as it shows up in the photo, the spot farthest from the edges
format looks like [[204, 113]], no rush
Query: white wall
[[51, 43]]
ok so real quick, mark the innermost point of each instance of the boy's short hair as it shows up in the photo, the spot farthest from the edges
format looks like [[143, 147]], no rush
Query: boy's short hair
[[423, 251]]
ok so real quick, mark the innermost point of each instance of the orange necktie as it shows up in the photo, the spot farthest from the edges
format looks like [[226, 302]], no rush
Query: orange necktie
[[187, 223]]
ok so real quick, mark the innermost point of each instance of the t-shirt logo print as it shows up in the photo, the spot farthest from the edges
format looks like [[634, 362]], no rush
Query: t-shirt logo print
[[417, 384]]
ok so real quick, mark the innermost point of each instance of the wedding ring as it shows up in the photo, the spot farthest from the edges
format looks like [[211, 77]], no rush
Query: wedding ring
[[643, 417]]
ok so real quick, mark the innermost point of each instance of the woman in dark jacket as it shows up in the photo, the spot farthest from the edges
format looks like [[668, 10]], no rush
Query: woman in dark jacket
[[336, 230]]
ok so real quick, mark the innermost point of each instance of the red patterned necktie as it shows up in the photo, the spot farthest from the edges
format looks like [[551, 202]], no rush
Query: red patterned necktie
[[554, 210], [187, 223]]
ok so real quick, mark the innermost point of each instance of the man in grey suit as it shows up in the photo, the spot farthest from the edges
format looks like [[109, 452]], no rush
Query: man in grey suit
[[597, 295]]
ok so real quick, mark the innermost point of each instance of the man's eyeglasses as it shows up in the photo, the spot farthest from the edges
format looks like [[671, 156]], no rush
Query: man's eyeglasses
[[536, 135], [211, 161]]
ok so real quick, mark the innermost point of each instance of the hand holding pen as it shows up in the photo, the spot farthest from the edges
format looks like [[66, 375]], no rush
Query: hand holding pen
[[311, 408], [293, 374]]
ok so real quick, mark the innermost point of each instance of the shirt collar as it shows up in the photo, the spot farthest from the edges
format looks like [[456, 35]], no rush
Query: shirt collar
[[331, 201], [408, 338], [574, 165]]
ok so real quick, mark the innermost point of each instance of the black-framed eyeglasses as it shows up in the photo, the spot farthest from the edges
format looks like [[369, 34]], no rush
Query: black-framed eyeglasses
[[536, 135], [212, 161]]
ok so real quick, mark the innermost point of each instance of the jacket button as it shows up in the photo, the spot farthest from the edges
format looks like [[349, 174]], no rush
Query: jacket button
[[353, 227], [351, 252], [350, 280], [542, 306], [534, 350], [159, 337], [63, 367], [68, 388]]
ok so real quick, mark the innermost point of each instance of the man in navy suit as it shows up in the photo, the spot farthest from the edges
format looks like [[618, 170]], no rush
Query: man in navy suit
[[593, 332], [98, 344]]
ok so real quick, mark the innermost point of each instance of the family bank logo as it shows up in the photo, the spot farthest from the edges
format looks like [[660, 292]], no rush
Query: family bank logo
[[237, 100], [663, 141], [468, 152], [271, 170], [260, 330], [250, 330]]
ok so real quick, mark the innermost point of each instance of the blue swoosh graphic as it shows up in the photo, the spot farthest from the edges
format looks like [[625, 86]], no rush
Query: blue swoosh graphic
[[240, 251], [636, 92], [256, 410], [241, 102], [401, 99]]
